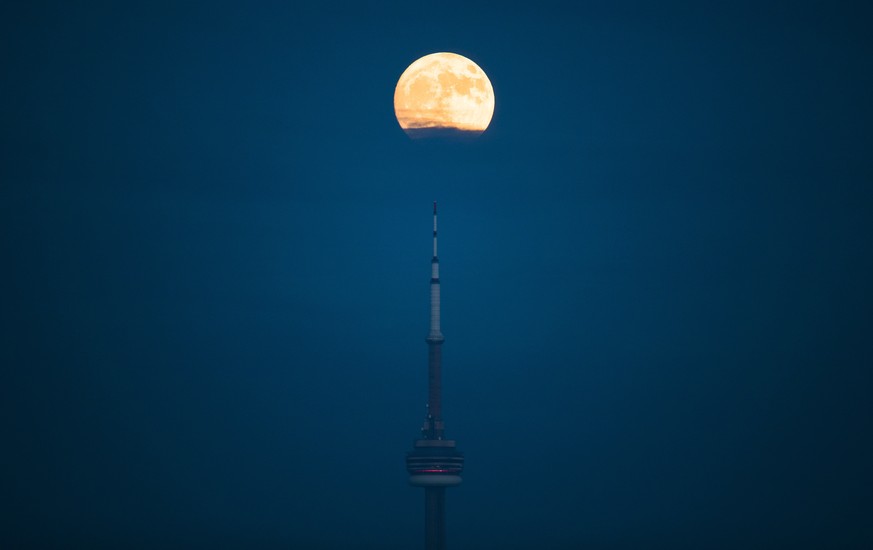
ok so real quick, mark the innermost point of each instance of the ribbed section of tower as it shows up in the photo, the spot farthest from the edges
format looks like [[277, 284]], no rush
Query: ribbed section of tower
[[434, 463]]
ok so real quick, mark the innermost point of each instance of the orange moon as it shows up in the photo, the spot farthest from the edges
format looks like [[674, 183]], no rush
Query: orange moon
[[443, 91]]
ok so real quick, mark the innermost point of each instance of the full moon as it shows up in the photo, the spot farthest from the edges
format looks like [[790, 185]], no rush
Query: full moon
[[443, 91]]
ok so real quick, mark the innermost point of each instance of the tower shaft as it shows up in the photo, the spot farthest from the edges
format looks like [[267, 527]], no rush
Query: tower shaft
[[435, 518], [434, 388]]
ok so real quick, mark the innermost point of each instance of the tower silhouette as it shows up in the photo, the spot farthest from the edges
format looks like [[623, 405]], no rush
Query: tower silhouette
[[434, 462]]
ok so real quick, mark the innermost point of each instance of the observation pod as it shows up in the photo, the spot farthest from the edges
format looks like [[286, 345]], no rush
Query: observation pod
[[434, 463]]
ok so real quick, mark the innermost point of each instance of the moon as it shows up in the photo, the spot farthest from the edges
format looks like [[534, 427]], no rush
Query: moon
[[443, 92]]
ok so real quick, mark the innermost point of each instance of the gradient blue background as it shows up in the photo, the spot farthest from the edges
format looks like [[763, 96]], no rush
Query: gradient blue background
[[656, 266]]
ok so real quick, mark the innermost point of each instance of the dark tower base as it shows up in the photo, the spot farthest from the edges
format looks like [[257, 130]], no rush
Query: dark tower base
[[435, 518]]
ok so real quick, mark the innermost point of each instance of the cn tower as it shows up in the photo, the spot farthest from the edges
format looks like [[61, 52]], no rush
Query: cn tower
[[434, 462]]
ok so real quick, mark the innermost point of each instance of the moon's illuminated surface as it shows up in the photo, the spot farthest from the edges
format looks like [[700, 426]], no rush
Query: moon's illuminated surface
[[443, 91]]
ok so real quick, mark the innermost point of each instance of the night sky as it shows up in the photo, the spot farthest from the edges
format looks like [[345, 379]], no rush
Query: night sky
[[657, 275]]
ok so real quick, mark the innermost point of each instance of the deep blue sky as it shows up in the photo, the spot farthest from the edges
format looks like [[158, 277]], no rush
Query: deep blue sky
[[656, 265]]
